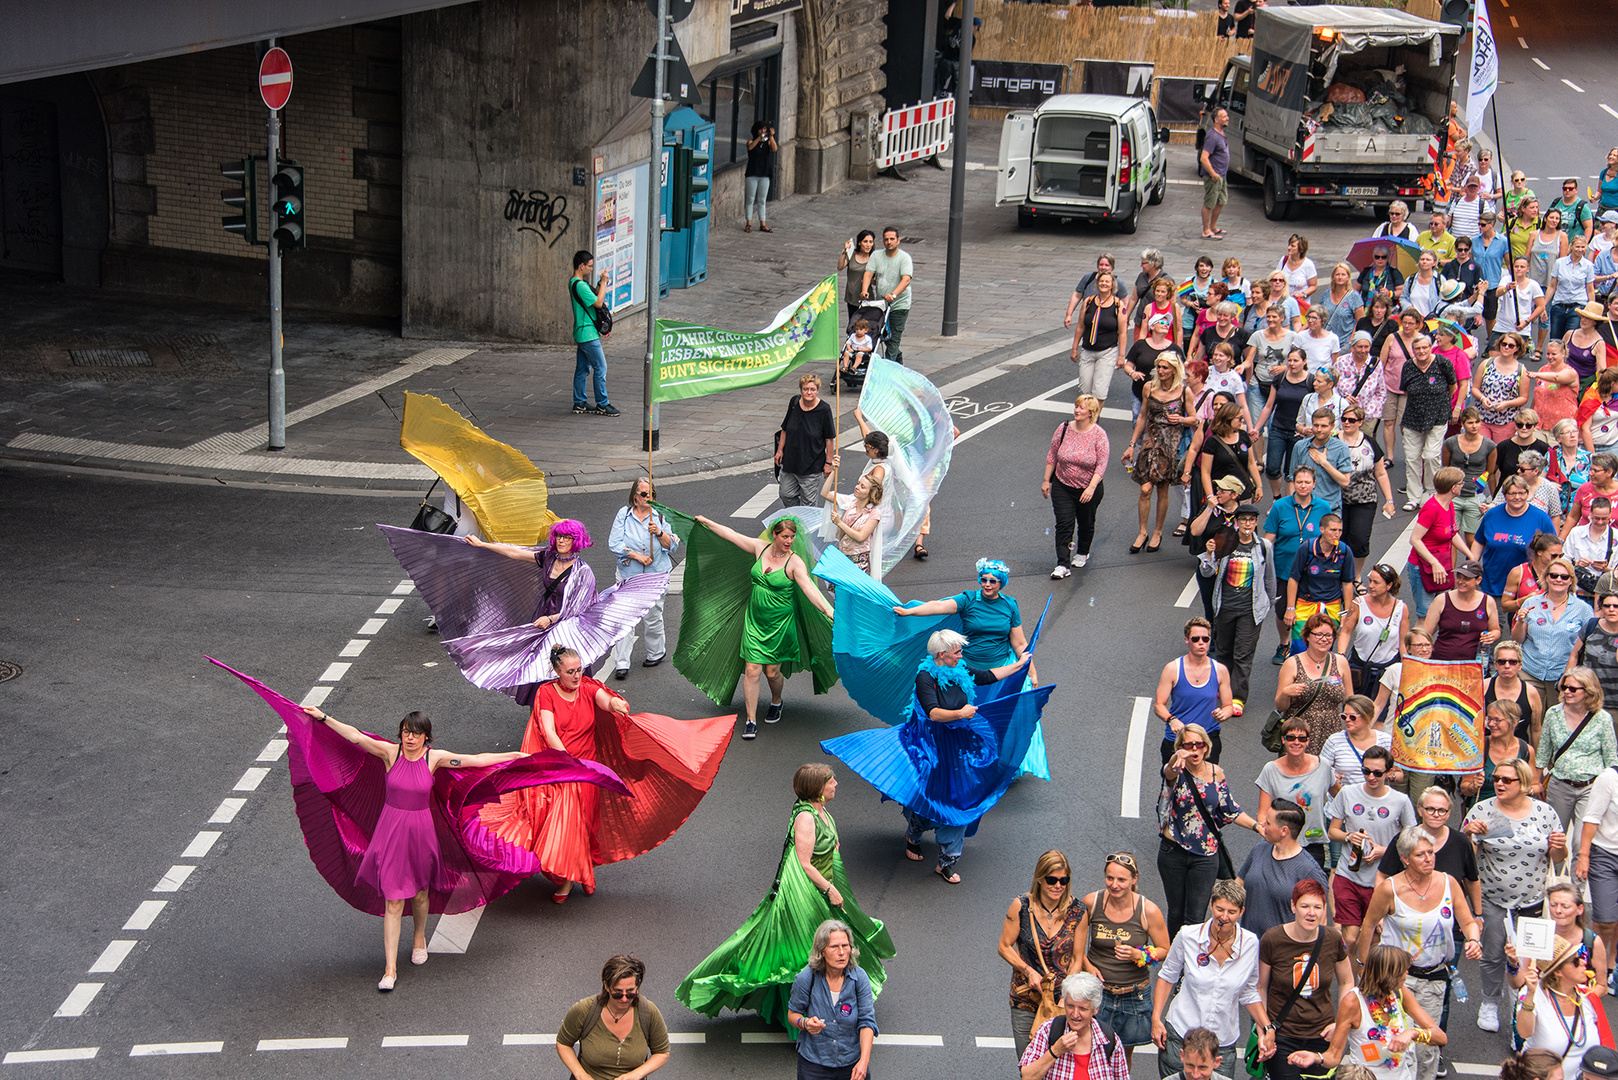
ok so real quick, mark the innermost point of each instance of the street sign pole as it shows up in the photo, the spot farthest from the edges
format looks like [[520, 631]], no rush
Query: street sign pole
[[278, 375], [649, 417], [957, 179]]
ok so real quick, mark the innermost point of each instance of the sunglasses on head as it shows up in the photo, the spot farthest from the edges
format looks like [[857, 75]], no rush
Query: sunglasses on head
[[1122, 858], [1052, 879]]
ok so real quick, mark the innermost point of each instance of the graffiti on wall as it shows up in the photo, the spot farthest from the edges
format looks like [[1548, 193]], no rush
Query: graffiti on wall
[[536, 212]]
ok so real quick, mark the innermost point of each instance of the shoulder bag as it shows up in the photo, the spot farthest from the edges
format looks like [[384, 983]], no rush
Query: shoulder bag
[[1227, 869], [1571, 739], [1588, 577], [600, 317], [430, 518], [1270, 734], [1255, 1066], [1047, 1007]]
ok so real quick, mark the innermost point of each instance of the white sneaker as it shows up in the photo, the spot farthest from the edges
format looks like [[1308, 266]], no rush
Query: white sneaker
[[1489, 1016], [1061, 572], [1080, 560]]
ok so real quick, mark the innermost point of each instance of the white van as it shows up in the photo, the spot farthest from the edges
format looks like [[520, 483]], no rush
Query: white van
[[1096, 156]]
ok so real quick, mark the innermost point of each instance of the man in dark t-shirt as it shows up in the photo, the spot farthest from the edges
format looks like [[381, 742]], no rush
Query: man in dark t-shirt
[[805, 444], [1245, 12]]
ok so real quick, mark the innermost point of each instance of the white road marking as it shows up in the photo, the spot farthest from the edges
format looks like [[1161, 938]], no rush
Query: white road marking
[[686, 1037], [1523, 42], [1117, 414], [1187, 183], [1047, 405], [1014, 410], [227, 811], [910, 1040], [531, 1040], [146, 914], [112, 956], [201, 844], [316, 697], [354, 647], [272, 750], [1542, 64], [1573, 86], [392, 1042], [1474, 1070], [453, 934], [340, 1043], [334, 672], [76, 1053], [763, 1037], [996, 1042], [404, 588], [755, 506], [1608, 110], [388, 607], [168, 1049], [174, 878], [251, 779], [977, 378], [78, 999], [1134, 753], [1189, 593], [1513, 21], [372, 626]]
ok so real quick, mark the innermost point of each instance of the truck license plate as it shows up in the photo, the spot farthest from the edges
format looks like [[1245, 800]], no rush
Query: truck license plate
[[1359, 191]]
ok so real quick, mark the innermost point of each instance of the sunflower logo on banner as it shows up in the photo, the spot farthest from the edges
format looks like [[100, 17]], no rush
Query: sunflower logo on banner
[[1439, 728]]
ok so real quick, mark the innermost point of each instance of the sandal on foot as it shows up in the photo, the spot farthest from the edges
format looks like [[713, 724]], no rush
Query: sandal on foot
[[748, 227], [921, 552], [913, 851], [949, 876], [764, 228]]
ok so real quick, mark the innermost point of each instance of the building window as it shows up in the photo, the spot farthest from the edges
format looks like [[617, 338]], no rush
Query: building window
[[734, 100]]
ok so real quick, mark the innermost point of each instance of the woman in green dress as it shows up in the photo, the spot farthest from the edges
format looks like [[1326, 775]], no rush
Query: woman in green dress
[[755, 967], [770, 627]]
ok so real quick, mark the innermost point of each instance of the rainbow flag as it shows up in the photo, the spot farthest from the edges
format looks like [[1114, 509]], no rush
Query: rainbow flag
[[1188, 286], [1440, 723]]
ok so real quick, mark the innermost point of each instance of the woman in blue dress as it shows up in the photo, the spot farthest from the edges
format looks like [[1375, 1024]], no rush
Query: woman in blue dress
[[992, 623]]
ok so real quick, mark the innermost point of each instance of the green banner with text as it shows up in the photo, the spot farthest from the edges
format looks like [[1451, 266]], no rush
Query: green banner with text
[[692, 361]]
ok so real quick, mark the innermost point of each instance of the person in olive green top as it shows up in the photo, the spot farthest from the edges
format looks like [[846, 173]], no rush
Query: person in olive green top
[[619, 1035], [592, 358]]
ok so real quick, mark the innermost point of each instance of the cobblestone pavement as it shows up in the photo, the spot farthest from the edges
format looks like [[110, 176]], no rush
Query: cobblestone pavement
[[199, 407]]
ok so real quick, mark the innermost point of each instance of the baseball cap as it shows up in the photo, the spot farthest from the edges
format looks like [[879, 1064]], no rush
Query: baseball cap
[[1600, 1061], [1470, 568], [1610, 215], [1247, 510], [1473, 181], [1159, 320]]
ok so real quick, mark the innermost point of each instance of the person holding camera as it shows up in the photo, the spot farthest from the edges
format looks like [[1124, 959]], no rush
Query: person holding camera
[[761, 148], [590, 316]]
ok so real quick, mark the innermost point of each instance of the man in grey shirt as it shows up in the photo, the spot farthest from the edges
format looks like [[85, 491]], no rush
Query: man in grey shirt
[[887, 275], [1275, 866], [1215, 162]]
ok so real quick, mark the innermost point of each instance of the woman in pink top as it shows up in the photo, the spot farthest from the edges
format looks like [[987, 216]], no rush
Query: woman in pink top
[[1074, 466], [1398, 348], [1434, 543]]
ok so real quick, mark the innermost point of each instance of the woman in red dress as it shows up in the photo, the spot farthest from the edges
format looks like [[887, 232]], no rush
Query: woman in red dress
[[667, 765]]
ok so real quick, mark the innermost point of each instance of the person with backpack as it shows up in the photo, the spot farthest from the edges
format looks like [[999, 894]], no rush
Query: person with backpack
[[592, 320], [1577, 218], [1075, 1036], [616, 1033]]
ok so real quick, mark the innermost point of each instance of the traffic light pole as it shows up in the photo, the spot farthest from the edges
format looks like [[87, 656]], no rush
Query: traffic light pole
[[278, 375], [654, 242], [957, 178]]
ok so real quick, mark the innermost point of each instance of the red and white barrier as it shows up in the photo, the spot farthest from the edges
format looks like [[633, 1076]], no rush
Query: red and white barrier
[[917, 132]]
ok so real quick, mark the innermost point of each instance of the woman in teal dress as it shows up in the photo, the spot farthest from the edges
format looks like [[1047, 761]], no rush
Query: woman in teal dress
[[992, 623], [770, 628], [755, 967]]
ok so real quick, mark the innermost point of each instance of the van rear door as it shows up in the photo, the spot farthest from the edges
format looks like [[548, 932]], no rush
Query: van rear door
[[1075, 160], [1016, 150]]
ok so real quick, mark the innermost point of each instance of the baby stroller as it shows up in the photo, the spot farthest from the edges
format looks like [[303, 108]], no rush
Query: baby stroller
[[875, 312]]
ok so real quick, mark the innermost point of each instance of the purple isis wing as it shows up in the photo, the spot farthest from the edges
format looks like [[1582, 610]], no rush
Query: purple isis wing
[[469, 590], [519, 656]]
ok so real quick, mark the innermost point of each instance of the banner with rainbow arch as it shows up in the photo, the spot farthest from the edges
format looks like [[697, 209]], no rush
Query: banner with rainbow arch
[[1439, 727]]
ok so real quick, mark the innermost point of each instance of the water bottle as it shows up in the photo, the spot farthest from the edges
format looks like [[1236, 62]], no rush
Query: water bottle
[[1092, 601], [1457, 985]]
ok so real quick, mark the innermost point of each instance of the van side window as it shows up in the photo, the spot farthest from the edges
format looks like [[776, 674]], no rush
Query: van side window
[[1233, 94]]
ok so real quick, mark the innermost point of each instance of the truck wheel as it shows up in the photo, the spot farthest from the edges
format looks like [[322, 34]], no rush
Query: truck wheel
[[1128, 225], [1162, 189], [1025, 220], [1275, 208]]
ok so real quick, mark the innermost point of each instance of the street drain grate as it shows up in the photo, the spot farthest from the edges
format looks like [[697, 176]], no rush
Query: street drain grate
[[110, 357], [8, 670]]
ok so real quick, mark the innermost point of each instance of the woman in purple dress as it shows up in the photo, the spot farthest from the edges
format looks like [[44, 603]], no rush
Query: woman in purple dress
[[562, 574], [403, 860]]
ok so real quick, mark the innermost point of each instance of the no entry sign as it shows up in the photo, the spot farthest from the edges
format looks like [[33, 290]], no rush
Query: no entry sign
[[275, 78]]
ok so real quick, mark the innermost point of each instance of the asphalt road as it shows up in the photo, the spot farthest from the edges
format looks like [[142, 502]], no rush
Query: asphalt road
[[122, 743]]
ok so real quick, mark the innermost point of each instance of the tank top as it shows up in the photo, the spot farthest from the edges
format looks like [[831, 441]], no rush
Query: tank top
[[855, 281], [1459, 630], [1521, 701], [1105, 933], [1368, 1043], [1377, 640], [1582, 360], [1099, 323], [1541, 254], [1499, 386], [1428, 936], [1193, 704]]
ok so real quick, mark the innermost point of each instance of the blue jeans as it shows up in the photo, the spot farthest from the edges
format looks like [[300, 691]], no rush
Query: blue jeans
[[592, 359], [1278, 455], [951, 838], [756, 191], [1256, 396], [1129, 1014], [1564, 317], [1420, 598]]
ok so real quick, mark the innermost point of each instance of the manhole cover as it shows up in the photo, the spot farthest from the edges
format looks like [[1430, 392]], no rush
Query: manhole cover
[[110, 357], [8, 670]]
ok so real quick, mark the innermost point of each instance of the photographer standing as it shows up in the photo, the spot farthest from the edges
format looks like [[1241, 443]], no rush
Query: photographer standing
[[761, 148], [592, 358]]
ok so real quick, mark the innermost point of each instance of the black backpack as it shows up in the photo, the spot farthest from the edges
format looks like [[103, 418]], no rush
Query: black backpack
[[600, 317], [1108, 1039]]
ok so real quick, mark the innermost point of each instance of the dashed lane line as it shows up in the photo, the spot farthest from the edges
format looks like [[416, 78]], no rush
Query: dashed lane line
[[76, 1053], [1134, 755], [1608, 110], [1573, 86], [228, 809], [403, 1042], [112, 957], [302, 1044], [251, 779], [1189, 593], [175, 877], [1513, 21], [453, 934], [78, 999], [201, 844], [145, 915], [1523, 42], [1542, 64], [175, 1048], [334, 672]]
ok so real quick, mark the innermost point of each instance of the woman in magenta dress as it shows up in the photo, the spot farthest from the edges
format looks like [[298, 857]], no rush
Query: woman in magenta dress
[[403, 860]]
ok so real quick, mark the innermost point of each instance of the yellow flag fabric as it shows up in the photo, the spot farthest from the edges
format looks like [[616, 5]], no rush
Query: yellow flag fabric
[[498, 483]]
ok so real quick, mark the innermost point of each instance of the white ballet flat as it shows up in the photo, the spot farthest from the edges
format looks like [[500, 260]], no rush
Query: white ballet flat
[[386, 982], [418, 956]]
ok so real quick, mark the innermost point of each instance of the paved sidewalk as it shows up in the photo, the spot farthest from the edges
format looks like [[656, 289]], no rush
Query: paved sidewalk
[[199, 408]]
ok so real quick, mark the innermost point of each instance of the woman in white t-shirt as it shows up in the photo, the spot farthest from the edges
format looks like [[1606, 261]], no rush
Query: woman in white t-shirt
[[1556, 1013], [1320, 345], [1522, 300], [1302, 277]]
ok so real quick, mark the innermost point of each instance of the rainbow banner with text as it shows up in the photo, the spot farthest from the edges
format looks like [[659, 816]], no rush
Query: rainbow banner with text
[[1439, 728], [693, 360]]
